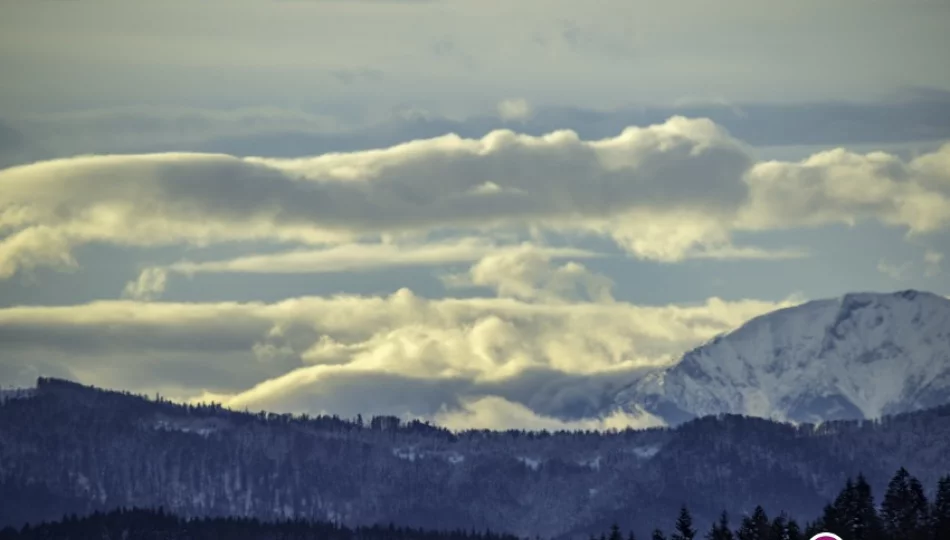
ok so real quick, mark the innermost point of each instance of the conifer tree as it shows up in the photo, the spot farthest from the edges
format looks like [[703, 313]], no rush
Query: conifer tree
[[657, 535], [905, 511], [920, 507], [615, 532], [756, 526], [794, 531], [940, 514], [779, 528], [844, 506], [684, 526], [721, 530], [829, 521], [855, 511]]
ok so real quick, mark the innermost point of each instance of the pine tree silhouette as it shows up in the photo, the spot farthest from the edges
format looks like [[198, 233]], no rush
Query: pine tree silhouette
[[856, 514], [756, 526], [721, 529], [905, 511], [684, 526], [779, 529], [940, 513]]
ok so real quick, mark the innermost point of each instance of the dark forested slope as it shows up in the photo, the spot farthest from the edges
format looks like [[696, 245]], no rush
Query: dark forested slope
[[68, 448]]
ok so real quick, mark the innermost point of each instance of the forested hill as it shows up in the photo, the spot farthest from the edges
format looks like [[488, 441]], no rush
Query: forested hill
[[149, 524], [66, 448], [905, 513]]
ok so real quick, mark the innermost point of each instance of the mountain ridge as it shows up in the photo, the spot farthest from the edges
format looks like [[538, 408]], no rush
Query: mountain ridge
[[862, 355]]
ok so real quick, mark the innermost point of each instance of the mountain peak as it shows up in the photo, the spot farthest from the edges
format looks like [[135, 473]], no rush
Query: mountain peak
[[862, 355]]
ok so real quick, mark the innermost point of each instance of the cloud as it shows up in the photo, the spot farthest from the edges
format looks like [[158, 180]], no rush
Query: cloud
[[931, 267], [730, 252], [894, 271], [497, 413], [514, 109], [401, 354], [528, 274], [32, 247], [663, 192], [932, 260], [838, 186], [149, 285], [365, 256]]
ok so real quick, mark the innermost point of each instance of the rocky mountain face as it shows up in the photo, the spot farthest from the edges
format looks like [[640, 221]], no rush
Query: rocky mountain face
[[861, 356], [68, 448]]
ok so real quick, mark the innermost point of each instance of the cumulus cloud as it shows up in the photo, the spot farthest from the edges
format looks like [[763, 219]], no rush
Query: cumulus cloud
[[32, 247], [149, 285], [514, 109], [528, 274], [838, 186], [399, 354], [664, 192]]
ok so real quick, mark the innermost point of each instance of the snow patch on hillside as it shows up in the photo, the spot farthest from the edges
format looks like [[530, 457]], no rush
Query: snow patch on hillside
[[202, 427], [408, 454], [531, 463], [645, 452]]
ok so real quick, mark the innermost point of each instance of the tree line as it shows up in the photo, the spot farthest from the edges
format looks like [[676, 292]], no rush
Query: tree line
[[904, 513], [156, 524]]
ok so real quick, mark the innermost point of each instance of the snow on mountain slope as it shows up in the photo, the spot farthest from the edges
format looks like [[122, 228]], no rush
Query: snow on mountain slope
[[860, 356]]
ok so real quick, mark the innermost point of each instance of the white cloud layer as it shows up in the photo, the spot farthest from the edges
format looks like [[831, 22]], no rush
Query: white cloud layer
[[494, 412], [665, 192], [364, 256], [555, 341], [497, 361]]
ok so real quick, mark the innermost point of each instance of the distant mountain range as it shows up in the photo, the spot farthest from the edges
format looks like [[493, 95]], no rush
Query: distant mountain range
[[69, 448], [857, 357]]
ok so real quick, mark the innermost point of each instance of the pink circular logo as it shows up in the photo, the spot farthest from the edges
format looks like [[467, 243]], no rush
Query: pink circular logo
[[826, 536]]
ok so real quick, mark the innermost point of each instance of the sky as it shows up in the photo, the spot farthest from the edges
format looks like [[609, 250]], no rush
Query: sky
[[482, 213]]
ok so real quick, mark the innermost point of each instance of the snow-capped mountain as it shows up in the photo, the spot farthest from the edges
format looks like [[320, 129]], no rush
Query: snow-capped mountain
[[860, 356]]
